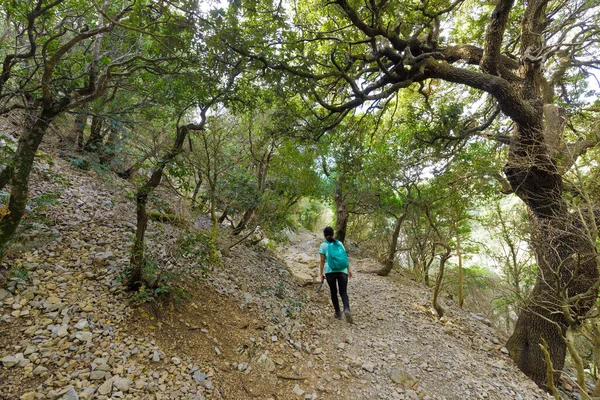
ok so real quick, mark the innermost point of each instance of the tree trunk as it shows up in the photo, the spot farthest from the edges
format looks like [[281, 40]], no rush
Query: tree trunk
[[389, 262], [461, 293], [223, 216], [137, 252], [78, 128], [438, 281], [244, 221], [341, 220], [128, 173], [426, 266], [23, 162], [565, 254], [196, 190], [94, 143], [111, 145]]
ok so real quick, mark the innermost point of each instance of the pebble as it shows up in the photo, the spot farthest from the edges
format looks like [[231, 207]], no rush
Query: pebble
[[368, 366], [297, 390], [199, 377]]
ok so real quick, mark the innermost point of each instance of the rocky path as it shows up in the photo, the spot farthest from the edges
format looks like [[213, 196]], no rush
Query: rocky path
[[254, 329], [398, 349]]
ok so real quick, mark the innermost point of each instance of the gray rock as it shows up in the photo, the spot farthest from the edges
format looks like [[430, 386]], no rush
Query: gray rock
[[97, 375], [402, 378], [199, 377], [84, 336], [10, 361], [39, 370], [122, 383], [70, 394], [106, 387], [107, 255], [3, 294], [62, 331], [269, 365], [81, 324], [368, 366], [297, 390]]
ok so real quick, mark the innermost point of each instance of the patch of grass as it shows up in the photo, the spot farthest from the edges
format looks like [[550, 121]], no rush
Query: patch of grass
[[20, 272]]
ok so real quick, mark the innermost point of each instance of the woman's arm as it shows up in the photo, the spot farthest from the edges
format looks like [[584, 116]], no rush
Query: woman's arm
[[321, 267]]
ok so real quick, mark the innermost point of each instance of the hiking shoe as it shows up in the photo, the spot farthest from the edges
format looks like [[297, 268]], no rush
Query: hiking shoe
[[348, 316], [337, 315]]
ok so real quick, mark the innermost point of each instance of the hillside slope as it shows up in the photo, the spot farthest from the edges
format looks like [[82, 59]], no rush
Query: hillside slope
[[251, 329]]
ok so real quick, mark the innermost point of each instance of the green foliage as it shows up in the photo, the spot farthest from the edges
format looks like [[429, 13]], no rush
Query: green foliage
[[238, 190], [309, 212], [19, 272], [79, 162], [197, 250]]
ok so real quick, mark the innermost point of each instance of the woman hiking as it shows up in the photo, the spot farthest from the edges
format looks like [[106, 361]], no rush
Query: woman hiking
[[335, 267]]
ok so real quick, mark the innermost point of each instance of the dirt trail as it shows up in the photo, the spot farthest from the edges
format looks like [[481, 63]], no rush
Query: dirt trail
[[397, 348]]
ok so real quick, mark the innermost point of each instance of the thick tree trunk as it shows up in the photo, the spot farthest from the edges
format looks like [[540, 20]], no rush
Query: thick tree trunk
[[23, 162], [94, 143], [137, 252], [389, 262], [567, 267]]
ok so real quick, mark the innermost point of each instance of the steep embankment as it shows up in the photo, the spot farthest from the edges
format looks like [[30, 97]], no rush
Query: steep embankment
[[250, 330]]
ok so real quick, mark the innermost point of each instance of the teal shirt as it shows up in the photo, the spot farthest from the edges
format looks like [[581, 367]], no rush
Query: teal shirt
[[323, 250]]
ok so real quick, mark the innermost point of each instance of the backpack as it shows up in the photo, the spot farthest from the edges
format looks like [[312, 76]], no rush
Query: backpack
[[337, 259]]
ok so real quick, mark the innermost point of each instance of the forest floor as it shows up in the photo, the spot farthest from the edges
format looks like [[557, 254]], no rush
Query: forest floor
[[254, 328]]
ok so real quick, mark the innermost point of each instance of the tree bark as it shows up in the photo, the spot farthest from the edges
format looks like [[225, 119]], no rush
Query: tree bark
[[111, 145], [78, 128], [438, 281], [566, 257], [244, 221], [94, 142], [29, 142], [341, 220], [461, 292], [196, 190], [389, 262], [137, 253]]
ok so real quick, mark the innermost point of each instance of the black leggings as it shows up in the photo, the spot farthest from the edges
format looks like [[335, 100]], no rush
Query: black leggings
[[342, 281]]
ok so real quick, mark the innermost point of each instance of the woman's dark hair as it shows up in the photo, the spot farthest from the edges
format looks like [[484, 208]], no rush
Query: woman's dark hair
[[328, 232]]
